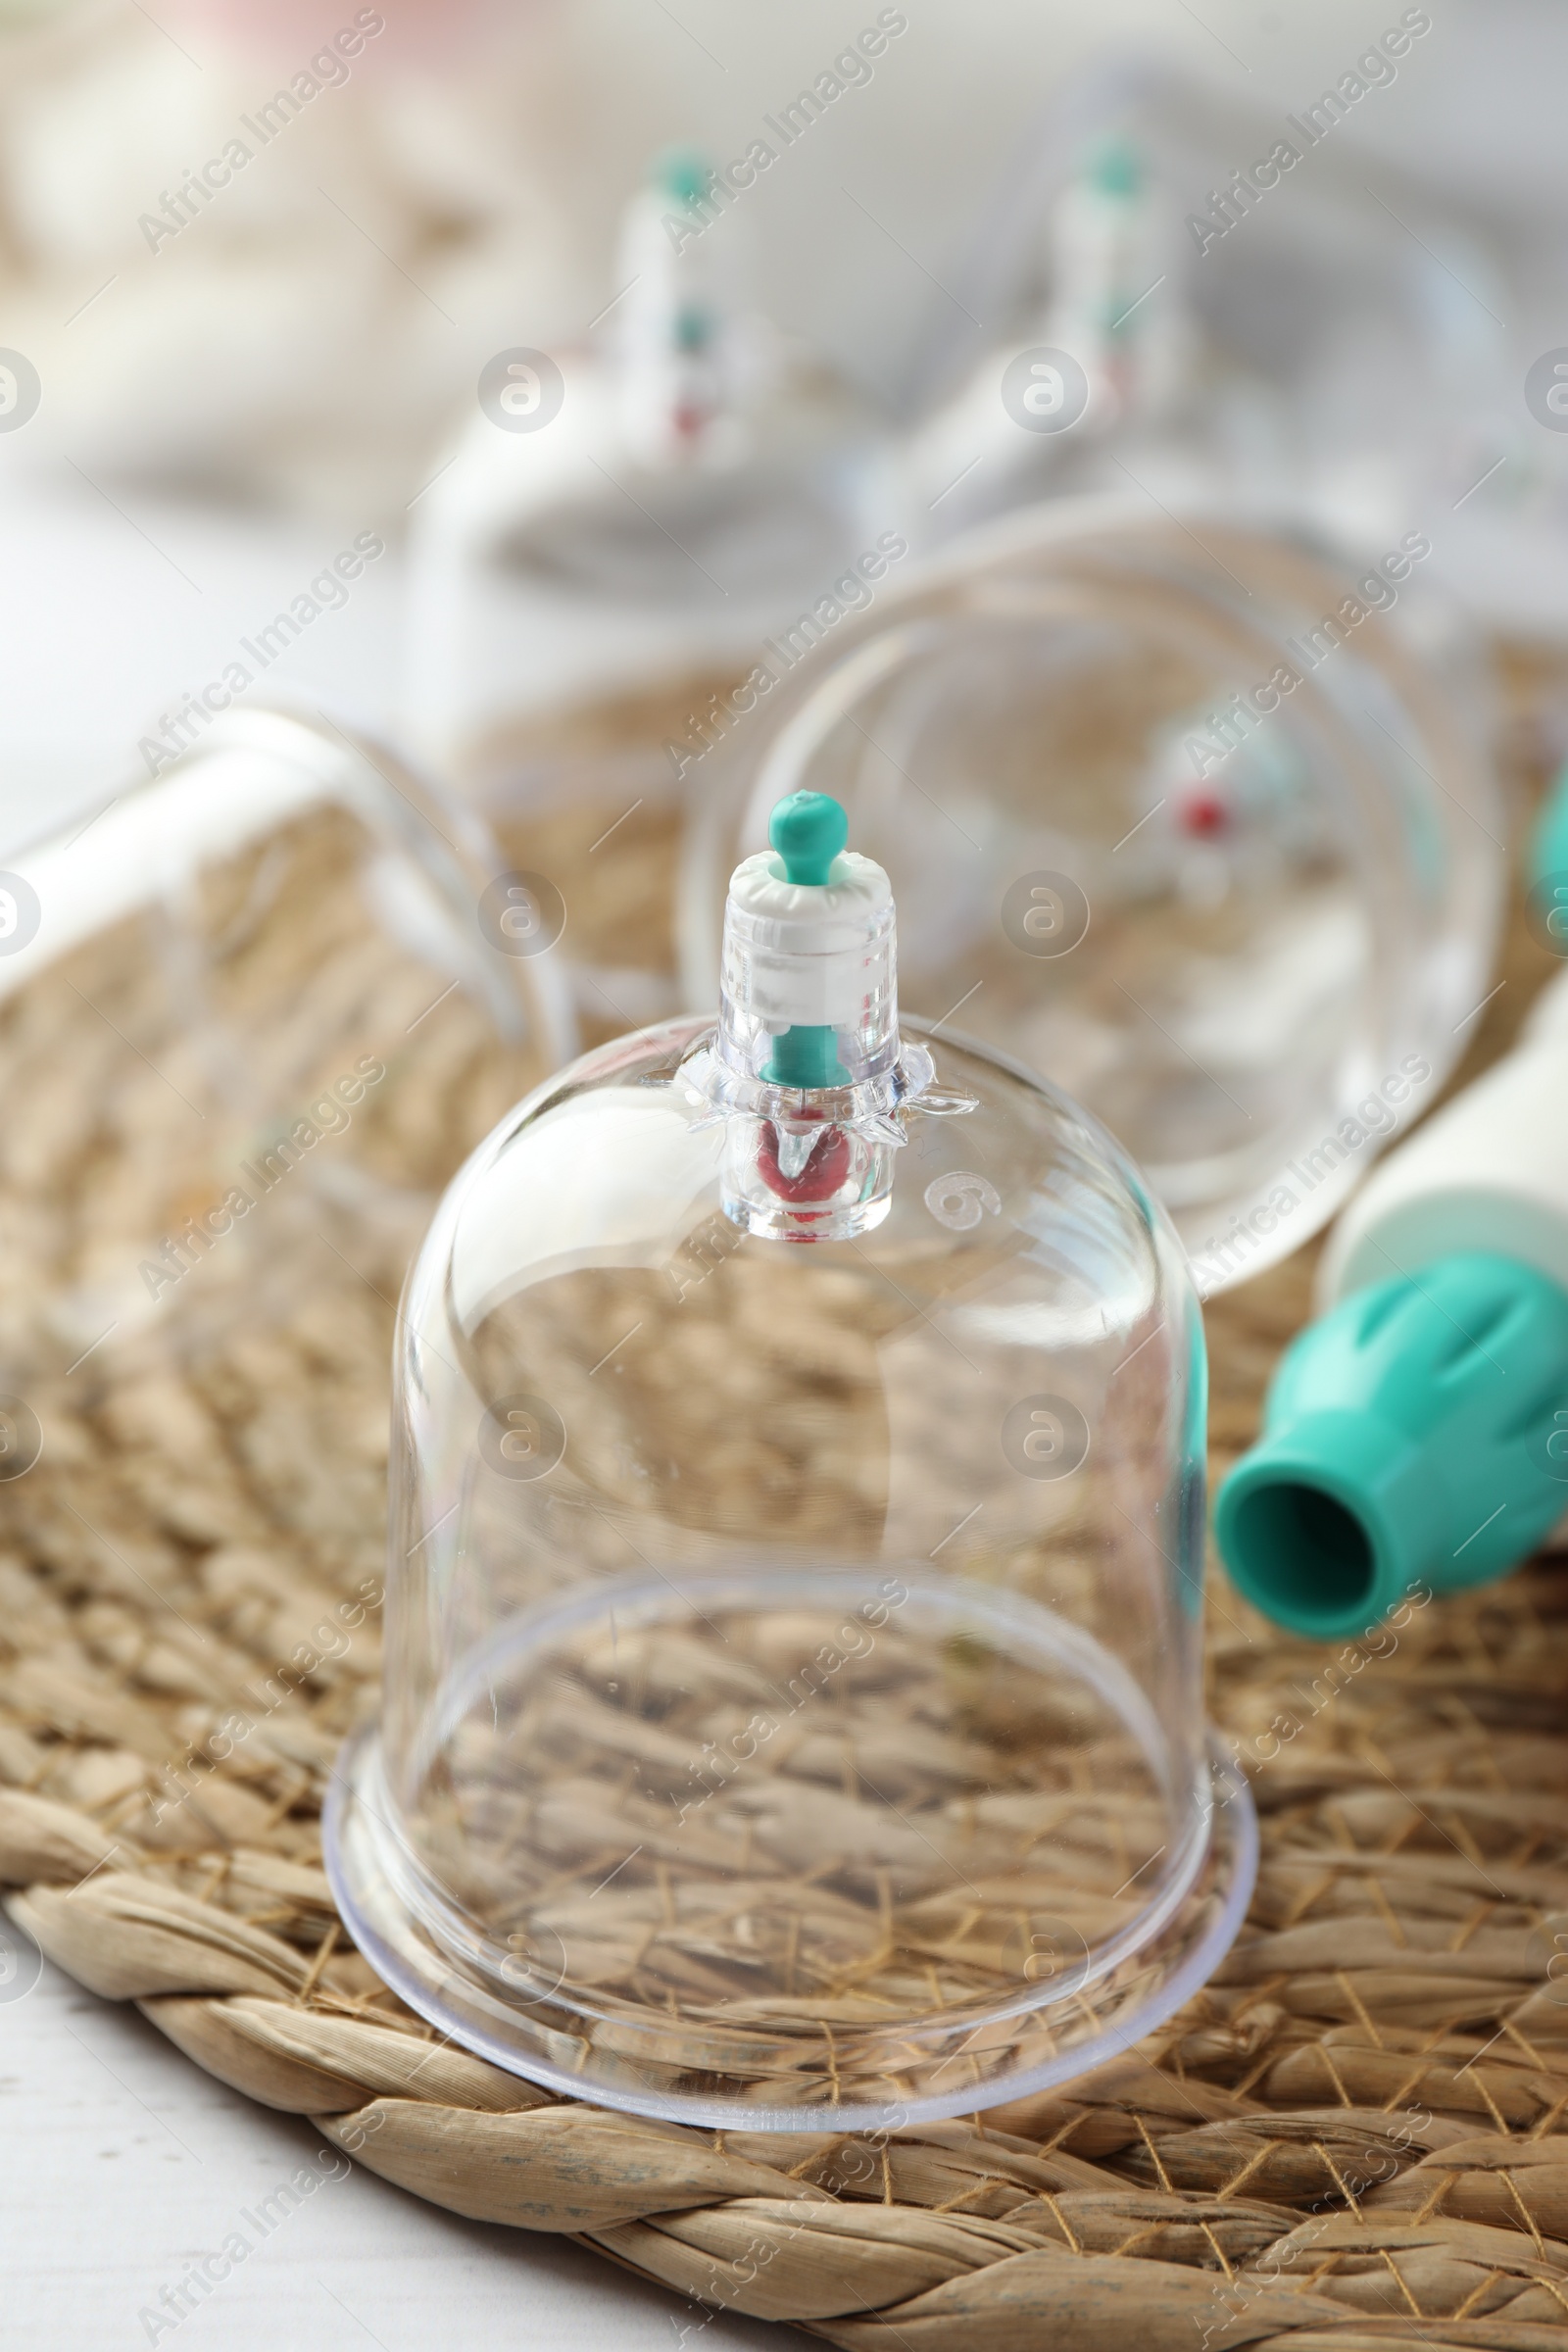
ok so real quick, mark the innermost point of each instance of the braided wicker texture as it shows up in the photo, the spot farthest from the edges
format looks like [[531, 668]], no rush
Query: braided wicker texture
[[1358, 2131]]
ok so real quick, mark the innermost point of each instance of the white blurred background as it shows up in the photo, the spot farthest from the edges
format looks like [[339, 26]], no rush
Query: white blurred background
[[218, 413]]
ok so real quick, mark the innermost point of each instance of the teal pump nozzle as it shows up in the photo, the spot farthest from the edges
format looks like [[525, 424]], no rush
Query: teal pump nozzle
[[808, 831], [1417, 1436]]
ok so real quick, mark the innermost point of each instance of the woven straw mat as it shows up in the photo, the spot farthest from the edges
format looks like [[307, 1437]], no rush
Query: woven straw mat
[[1357, 2132]]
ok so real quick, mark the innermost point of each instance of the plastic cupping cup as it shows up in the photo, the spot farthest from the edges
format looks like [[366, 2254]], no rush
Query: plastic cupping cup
[[1167, 820], [792, 1707]]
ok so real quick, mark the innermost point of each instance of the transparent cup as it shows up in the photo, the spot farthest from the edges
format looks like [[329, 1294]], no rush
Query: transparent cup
[[252, 1008], [1170, 823], [793, 1709]]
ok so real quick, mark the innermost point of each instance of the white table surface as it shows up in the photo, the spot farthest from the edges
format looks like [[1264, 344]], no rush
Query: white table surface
[[121, 2164], [111, 612]]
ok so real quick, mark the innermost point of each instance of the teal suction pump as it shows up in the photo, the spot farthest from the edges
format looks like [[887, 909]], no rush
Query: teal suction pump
[[1416, 1436]]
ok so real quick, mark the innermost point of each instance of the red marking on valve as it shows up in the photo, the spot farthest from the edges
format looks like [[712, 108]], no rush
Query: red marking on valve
[[822, 1174], [1203, 812]]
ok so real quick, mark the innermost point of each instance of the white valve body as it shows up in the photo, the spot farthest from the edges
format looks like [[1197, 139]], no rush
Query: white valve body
[[810, 949], [1489, 1171]]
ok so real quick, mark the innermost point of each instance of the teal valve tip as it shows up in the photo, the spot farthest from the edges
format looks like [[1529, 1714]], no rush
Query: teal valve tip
[[1116, 168], [682, 173], [808, 831], [1414, 1439]]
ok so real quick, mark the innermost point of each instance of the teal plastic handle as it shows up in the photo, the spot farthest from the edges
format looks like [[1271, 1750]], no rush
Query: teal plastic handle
[[1417, 1436]]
